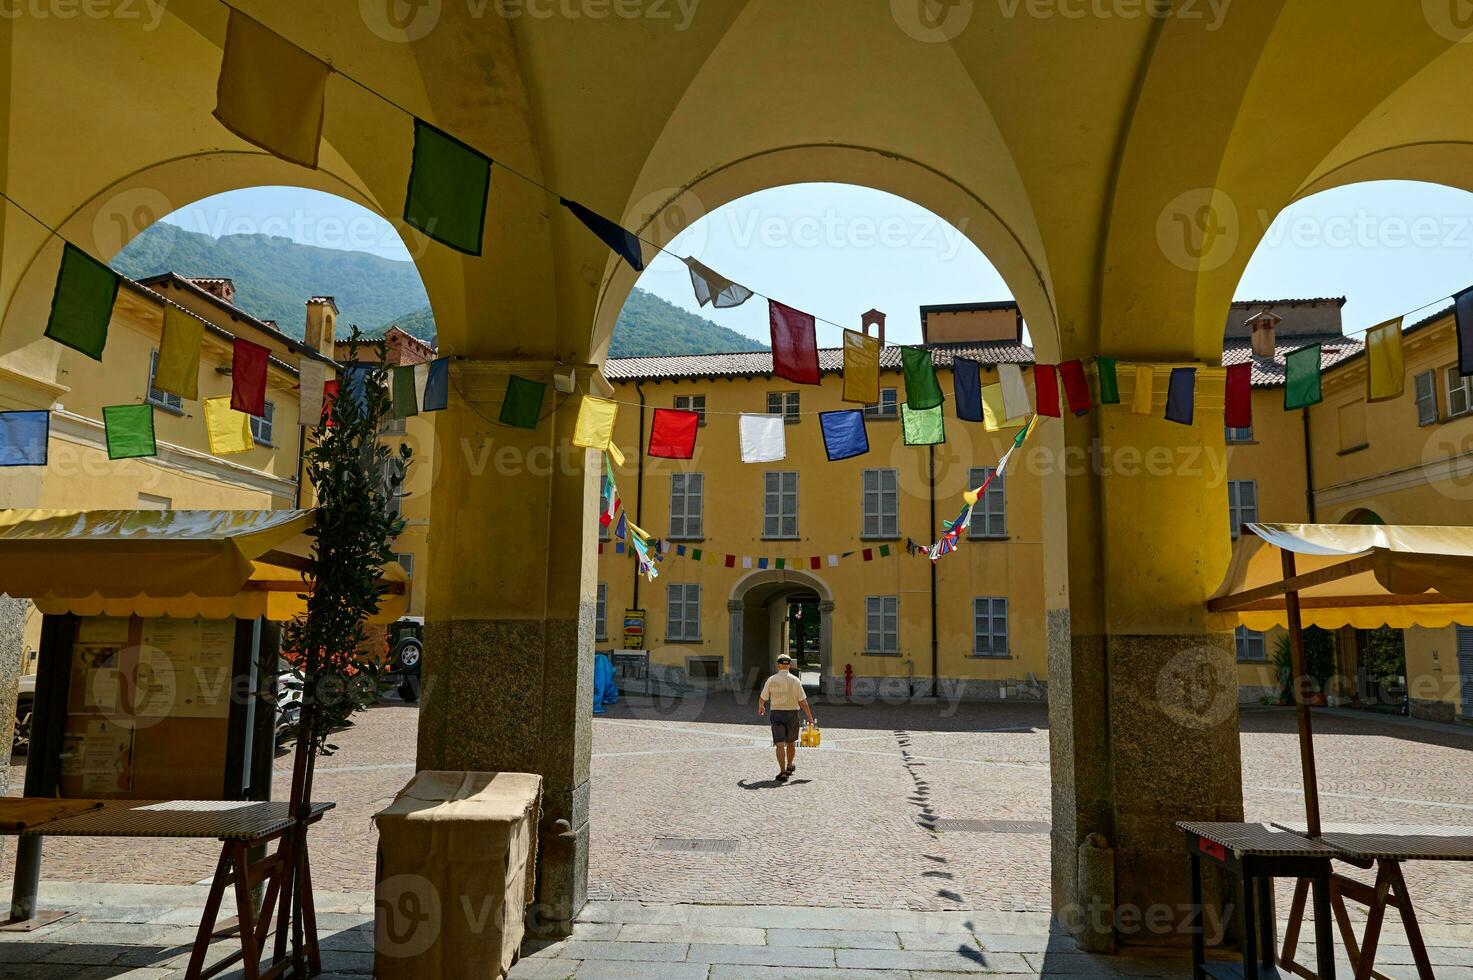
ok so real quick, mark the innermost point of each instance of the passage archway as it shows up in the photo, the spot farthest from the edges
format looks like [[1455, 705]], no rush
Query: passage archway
[[762, 625]]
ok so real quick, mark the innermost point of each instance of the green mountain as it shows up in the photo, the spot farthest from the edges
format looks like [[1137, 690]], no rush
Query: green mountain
[[274, 276], [649, 326]]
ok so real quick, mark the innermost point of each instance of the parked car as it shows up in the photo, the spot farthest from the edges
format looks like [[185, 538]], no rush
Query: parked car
[[406, 654], [25, 703]]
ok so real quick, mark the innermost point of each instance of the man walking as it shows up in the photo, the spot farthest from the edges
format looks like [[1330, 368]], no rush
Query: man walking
[[784, 694]]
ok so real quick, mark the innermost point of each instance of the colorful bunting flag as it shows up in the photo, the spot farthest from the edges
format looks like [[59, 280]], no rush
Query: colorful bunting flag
[[1014, 391], [229, 430], [1046, 389], [24, 437], [620, 529], [1463, 314], [312, 375], [1386, 376], [1109, 384], [1076, 387], [355, 381], [794, 344], [673, 433], [994, 411], [594, 428], [621, 240], [610, 495], [763, 438], [922, 390], [715, 289], [82, 304], [833, 561], [922, 427], [436, 397], [330, 391], [844, 435], [270, 92], [861, 368], [1181, 395], [421, 382], [129, 431], [177, 369], [248, 378], [1140, 398], [1302, 378], [405, 404], [449, 183], [522, 406], [966, 387], [1238, 397]]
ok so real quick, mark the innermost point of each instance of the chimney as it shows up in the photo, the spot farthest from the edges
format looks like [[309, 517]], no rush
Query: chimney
[[876, 319], [322, 314], [1263, 326], [221, 288]]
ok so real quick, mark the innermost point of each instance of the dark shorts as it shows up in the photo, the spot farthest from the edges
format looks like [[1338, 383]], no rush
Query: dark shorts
[[785, 726]]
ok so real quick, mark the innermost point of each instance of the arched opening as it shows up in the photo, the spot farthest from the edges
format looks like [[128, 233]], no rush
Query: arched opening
[[777, 612]]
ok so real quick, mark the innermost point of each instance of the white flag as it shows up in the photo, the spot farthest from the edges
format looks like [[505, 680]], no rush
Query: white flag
[[833, 561], [313, 376], [714, 288], [421, 378], [764, 438], [1014, 392], [746, 562]]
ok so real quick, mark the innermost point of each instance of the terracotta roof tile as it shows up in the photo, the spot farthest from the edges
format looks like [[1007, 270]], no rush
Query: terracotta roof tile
[[1269, 373]]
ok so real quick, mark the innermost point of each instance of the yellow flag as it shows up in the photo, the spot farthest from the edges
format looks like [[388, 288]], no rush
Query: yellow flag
[[177, 371], [1140, 400], [595, 426], [270, 91], [861, 368], [1388, 371], [994, 409], [230, 431]]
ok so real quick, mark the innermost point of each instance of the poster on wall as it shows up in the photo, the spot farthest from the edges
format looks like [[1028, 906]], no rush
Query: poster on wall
[[102, 629], [95, 679], [184, 668], [634, 629], [107, 758]]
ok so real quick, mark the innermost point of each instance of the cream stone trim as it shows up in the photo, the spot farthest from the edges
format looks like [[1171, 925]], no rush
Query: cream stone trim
[[1407, 478], [90, 433]]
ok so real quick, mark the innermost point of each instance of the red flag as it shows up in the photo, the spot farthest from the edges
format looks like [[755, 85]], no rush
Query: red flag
[[1239, 397], [673, 433], [1046, 389], [731, 561], [329, 397], [813, 562], [1076, 388], [794, 345], [869, 554], [248, 378]]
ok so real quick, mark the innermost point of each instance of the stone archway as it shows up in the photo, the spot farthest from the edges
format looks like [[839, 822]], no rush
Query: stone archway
[[754, 623]]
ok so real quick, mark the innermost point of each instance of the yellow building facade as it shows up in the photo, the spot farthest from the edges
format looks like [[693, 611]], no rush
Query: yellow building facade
[[184, 475]]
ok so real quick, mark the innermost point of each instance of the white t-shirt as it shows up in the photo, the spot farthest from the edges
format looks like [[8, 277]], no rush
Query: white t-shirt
[[784, 691]]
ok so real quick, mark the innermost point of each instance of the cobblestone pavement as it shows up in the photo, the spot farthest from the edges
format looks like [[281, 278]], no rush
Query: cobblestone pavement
[[851, 828]]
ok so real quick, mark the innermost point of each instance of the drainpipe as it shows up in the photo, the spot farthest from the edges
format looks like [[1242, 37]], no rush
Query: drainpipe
[[935, 680], [1308, 469], [639, 487]]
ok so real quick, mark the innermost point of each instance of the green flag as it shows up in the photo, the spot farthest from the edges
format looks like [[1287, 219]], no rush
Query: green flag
[[1302, 378], [923, 427], [523, 405], [922, 390], [1109, 384], [448, 186], [884, 551], [780, 563], [83, 303], [129, 431], [405, 402]]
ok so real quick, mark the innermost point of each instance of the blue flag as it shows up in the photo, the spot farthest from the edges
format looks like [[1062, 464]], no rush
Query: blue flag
[[966, 381], [1181, 395], [620, 529], [619, 239], [843, 433], [1463, 317], [355, 384], [23, 438], [437, 386]]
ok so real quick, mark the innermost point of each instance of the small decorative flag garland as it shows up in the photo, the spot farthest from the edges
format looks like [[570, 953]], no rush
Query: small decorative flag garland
[[673, 433], [922, 389], [861, 368], [966, 386], [522, 407], [129, 431], [715, 289], [620, 240], [271, 93], [248, 377], [82, 305], [449, 185], [1386, 375], [177, 369], [794, 344], [24, 437]]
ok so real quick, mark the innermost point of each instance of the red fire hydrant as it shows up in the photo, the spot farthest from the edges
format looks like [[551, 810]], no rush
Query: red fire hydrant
[[848, 680]]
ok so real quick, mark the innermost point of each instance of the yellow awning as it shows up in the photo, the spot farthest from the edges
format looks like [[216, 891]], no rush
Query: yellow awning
[[178, 563], [1357, 575]]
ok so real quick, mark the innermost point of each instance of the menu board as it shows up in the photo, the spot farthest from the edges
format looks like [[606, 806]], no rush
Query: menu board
[[184, 668]]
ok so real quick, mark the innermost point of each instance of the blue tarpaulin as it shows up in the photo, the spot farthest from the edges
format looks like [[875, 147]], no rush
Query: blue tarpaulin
[[604, 691]]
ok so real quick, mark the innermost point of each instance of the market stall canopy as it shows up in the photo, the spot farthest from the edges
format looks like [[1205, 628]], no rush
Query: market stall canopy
[[180, 563], [1357, 575]]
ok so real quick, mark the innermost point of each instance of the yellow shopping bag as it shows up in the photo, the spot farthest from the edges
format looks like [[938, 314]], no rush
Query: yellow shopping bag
[[809, 738]]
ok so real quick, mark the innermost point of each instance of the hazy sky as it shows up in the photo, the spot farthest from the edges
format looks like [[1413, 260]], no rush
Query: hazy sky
[[836, 250]]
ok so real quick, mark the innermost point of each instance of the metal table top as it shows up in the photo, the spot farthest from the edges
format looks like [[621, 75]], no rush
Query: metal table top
[[1258, 840], [1393, 842], [218, 819]]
